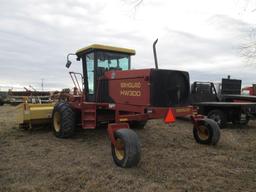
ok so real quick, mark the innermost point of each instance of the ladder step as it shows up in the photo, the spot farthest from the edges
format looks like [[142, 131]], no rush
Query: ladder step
[[89, 125], [89, 116]]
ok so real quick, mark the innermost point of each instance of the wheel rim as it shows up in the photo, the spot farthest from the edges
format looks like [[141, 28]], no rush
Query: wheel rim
[[203, 133], [57, 121], [216, 118], [119, 149]]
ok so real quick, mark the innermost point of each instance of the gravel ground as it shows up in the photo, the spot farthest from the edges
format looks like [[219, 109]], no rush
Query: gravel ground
[[171, 160]]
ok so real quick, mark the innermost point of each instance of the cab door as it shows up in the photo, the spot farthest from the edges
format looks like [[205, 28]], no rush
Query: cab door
[[89, 82]]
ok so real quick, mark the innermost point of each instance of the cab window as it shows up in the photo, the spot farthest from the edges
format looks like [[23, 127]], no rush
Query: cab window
[[113, 61]]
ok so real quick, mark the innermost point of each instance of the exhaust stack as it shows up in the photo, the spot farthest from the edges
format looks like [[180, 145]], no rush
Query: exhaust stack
[[155, 55]]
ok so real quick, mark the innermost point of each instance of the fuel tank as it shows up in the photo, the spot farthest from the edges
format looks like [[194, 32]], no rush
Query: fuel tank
[[147, 87]]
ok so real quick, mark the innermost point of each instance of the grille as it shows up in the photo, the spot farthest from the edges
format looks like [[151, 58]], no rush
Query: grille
[[169, 88]]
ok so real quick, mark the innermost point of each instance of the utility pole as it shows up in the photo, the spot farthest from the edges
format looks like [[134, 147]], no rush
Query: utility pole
[[42, 84]]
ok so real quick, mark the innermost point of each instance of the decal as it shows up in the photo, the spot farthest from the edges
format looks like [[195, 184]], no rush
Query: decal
[[130, 89], [182, 110], [131, 85], [130, 93], [123, 119], [113, 75], [111, 106]]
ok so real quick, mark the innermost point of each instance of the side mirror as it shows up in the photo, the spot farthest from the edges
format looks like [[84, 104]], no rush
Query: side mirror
[[68, 63]]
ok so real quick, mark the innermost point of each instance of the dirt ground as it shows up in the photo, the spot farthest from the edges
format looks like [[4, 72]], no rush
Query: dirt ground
[[171, 160]]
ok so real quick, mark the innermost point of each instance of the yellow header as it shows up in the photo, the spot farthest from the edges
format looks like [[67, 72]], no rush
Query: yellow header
[[107, 48]]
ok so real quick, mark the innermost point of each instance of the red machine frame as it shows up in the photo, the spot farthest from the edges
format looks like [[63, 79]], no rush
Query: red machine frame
[[135, 113]]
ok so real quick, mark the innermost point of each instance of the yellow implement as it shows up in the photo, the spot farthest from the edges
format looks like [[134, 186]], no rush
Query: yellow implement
[[29, 114]]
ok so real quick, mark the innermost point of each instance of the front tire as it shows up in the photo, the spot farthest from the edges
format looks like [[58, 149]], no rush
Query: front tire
[[126, 151], [63, 120], [206, 132]]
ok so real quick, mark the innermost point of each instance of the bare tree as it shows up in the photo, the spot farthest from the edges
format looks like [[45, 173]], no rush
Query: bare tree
[[248, 48], [138, 3], [135, 3]]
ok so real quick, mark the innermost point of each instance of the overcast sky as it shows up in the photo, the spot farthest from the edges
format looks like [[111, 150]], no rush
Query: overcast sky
[[199, 36]]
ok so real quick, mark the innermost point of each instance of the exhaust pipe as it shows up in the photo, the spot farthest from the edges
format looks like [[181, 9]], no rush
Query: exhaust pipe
[[155, 55]]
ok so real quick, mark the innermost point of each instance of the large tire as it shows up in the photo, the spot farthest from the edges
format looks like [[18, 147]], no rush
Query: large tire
[[126, 151], [63, 120], [138, 124], [238, 120], [207, 132], [1, 102], [24, 126], [219, 117]]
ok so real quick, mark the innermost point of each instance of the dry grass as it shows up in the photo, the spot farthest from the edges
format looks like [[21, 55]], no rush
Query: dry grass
[[171, 160]]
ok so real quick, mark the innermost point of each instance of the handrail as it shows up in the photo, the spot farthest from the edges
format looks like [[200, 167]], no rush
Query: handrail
[[73, 76]]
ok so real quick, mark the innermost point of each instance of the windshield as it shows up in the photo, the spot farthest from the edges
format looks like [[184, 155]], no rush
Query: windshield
[[113, 61]]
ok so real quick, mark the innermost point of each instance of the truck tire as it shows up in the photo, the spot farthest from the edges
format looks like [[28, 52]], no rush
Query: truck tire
[[138, 124], [126, 151], [63, 120], [219, 117], [1, 102], [237, 120], [207, 132]]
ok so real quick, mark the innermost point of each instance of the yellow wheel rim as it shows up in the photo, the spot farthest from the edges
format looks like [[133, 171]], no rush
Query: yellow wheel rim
[[56, 121], [203, 132], [119, 149]]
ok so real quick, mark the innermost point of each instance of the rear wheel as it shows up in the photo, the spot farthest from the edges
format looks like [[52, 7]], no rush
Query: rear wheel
[[219, 117], [240, 119], [63, 120], [24, 126], [1, 102], [126, 151], [206, 132]]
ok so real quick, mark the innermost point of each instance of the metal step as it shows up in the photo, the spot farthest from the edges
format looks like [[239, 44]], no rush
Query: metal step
[[88, 116]]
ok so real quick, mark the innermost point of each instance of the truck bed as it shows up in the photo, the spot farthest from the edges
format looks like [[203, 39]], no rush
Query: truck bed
[[250, 98], [226, 104]]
